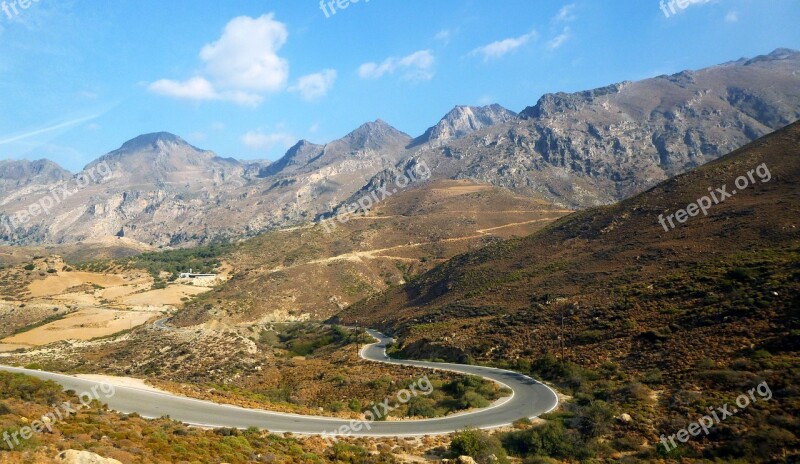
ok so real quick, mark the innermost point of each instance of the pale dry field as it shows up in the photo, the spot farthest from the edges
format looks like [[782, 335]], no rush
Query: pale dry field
[[170, 296], [82, 325], [57, 284], [457, 190], [99, 304]]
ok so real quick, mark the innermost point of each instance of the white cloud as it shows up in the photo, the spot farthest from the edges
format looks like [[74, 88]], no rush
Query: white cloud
[[200, 89], [732, 17], [196, 88], [444, 35], [246, 56], [241, 66], [502, 47], [260, 141], [315, 86], [559, 40], [565, 14], [417, 66]]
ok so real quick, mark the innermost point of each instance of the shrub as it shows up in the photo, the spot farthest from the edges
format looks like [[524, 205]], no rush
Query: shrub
[[597, 419], [550, 439], [478, 445], [342, 452], [421, 407]]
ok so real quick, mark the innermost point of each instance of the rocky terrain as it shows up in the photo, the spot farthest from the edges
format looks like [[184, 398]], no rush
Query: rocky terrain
[[576, 150], [635, 318], [464, 120], [158, 190], [21, 174], [603, 145]]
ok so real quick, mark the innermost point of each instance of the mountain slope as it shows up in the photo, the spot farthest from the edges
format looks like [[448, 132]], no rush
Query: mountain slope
[[312, 272], [600, 146], [580, 256], [575, 150], [161, 191], [17, 174], [464, 120], [166, 158], [687, 317]]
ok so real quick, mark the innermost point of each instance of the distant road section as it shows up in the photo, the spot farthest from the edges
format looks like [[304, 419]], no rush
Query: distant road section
[[530, 399]]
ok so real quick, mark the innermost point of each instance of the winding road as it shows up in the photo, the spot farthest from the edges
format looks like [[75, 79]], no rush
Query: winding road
[[529, 399]]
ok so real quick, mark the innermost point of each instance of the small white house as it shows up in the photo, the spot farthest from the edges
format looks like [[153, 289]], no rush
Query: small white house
[[192, 275]]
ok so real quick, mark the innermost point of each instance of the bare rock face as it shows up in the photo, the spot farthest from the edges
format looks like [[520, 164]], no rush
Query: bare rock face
[[16, 174], [599, 146], [83, 457], [464, 120], [575, 149], [161, 191]]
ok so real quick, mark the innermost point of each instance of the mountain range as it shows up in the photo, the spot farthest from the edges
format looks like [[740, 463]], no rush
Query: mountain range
[[574, 149]]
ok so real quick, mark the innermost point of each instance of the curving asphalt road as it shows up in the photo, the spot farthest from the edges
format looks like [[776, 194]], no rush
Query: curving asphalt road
[[529, 399]]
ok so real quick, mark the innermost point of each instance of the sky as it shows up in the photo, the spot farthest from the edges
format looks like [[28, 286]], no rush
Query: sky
[[248, 79]]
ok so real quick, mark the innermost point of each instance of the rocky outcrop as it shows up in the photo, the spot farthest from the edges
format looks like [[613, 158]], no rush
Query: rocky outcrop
[[575, 149], [15, 174], [464, 120], [83, 457], [599, 146]]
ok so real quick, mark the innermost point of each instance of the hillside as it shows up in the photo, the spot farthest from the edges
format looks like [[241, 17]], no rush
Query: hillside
[[697, 313], [600, 146], [575, 150], [158, 190], [464, 120], [314, 271]]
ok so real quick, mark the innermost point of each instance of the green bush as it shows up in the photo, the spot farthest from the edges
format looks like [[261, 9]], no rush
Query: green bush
[[342, 452], [421, 407], [478, 445], [550, 439]]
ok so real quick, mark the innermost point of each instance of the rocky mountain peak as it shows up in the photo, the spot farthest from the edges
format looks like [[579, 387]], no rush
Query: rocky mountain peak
[[154, 141], [375, 136], [302, 153], [17, 173], [464, 120], [561, 102], [44, 169], [779, 54]]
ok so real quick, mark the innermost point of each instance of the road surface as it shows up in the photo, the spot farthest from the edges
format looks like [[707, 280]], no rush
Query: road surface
[[529, 399]]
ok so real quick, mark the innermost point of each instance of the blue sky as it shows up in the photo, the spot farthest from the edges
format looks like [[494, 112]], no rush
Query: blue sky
[[249, 78]]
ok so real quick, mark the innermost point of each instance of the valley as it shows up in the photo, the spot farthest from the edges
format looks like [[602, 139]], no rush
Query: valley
[[526, 293]]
